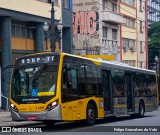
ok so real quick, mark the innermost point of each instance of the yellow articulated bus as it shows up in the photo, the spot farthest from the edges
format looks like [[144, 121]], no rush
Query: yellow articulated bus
[[52, 87]]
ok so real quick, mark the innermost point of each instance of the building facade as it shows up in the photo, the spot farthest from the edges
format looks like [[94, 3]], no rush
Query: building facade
[[134, 33], [96, 27], [153, 11], [21, 30], [111, 28]]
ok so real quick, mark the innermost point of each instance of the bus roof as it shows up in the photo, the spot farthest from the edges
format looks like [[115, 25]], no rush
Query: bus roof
[[111, 64], [114, 63]]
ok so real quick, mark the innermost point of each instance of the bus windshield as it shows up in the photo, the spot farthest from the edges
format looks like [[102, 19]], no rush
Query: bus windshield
[[34, 81]]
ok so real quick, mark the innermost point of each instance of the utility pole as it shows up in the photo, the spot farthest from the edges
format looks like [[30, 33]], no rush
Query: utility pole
[[52, 28]]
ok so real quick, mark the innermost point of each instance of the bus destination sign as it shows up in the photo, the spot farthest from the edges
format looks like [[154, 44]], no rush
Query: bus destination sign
[[37, 60]]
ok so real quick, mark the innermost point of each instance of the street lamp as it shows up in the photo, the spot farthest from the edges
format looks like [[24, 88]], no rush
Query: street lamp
[[54, 35]]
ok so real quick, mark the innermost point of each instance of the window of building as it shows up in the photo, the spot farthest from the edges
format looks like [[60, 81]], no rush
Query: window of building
[[114, 34], [128, 44], [140, 5], [141, 47], [129, 2], [66, 3], [114, 7], [125, 45], [141, 64], [104, 4], [105, 30], [21, 29], [129, 22], [141, 27]]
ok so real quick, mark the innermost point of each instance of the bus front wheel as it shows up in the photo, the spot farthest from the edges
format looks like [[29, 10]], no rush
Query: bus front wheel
[[90, 114], [49, 123], [141, 110]]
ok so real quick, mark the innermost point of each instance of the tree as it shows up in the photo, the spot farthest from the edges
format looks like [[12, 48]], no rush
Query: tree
[[153, 41]]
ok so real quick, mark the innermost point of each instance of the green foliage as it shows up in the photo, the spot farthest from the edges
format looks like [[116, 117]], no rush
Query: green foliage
[[154, 41]]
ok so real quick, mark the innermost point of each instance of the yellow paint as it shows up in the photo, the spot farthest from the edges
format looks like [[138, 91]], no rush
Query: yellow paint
[[120, 106], [127, 10], [104, 57], [49, 48], [33, 7], [76, 110], [29, 107], [130, 33], [145, 105], [157, 88], [22, 43], [45, 93], [129, 55]]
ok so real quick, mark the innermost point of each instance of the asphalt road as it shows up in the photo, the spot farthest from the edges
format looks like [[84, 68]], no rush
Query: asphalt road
[[103, 126]]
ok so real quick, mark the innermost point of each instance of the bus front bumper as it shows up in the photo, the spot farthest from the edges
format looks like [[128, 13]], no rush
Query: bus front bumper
[[54, 114]]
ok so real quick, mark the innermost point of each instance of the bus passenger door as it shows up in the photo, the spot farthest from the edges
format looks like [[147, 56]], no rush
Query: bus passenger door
[[130, 96], [108, 97]]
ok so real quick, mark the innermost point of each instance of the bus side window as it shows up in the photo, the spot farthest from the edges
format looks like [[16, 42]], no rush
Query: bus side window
[[64, 78], [73, 78]]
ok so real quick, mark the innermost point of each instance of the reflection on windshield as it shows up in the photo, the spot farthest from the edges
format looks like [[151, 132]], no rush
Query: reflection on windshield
[[34, 81]]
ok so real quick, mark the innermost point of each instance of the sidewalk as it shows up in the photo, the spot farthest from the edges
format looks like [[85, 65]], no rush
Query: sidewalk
[[6, 120]]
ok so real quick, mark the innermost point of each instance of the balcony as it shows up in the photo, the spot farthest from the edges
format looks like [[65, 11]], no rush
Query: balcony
[[88, 51], [34, 7], [108, 16]]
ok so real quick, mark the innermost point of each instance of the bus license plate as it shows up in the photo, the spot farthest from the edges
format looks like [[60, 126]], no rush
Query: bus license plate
[[31, 117]]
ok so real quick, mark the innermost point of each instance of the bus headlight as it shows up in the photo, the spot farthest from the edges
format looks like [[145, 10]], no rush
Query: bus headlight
[[13, 107], [52, 105]]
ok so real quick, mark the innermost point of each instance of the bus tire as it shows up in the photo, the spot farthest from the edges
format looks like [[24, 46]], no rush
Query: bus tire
[[90, 114], [141, 109], [49, 123]]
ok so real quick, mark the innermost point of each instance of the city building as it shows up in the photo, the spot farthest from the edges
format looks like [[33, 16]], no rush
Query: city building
[[96, 28], [111, 28], [134, 33], [21, 30], [153, 11]]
